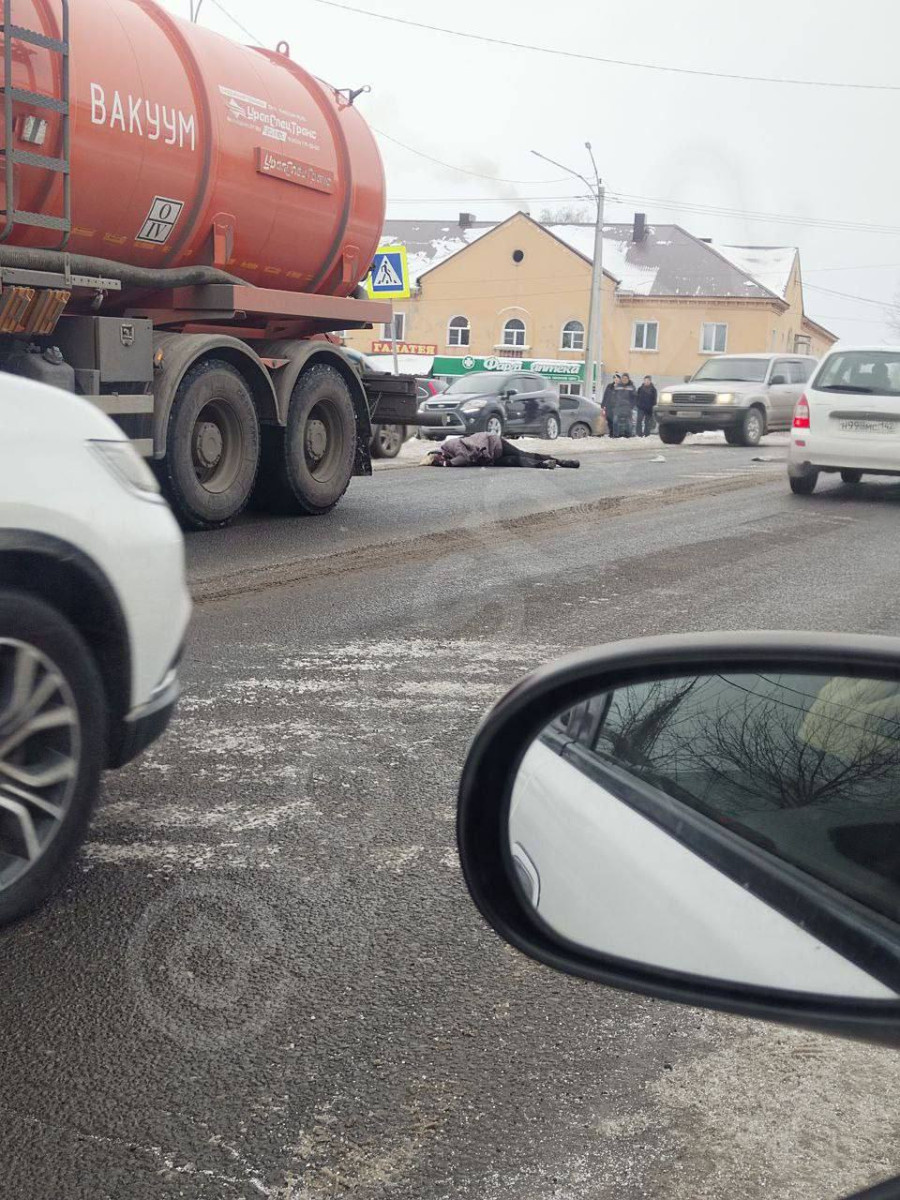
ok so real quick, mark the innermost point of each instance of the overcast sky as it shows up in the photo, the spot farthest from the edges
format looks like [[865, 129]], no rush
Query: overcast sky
[[815, 153]]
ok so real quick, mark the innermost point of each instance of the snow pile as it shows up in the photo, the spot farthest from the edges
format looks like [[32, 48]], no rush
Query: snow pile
[[769, 266], [439, 250], [621, 256]]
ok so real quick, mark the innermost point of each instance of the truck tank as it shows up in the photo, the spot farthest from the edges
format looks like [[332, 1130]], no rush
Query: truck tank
[[185, 148]]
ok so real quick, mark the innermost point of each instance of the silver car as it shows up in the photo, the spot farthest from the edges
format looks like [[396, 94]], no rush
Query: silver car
[[745, 395], [578, 416]]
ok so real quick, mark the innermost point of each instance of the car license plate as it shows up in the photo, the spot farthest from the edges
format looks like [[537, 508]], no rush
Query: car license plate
[[867, 427]]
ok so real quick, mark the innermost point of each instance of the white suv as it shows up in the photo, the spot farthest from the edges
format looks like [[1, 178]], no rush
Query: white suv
[[93, 613], [848, 419]]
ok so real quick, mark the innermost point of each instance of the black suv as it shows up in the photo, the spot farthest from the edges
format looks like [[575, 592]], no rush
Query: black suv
[[511, 403]]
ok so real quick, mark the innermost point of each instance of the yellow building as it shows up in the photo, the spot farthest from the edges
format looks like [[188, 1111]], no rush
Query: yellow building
[[521, 290]]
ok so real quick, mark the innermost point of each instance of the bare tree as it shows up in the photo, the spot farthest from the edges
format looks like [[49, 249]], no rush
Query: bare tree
[[753, 746]]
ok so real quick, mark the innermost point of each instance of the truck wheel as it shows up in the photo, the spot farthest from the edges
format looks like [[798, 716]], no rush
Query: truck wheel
[[212, 446], [751, 428], [671, 435], [733, 437], [53, 729], [387, 440], [308, 465]]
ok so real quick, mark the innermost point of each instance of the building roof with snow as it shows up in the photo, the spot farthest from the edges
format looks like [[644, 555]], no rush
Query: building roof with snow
[[644, 259]]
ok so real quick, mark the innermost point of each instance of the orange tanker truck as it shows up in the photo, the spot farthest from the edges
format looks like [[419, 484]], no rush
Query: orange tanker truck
[[185, 225]]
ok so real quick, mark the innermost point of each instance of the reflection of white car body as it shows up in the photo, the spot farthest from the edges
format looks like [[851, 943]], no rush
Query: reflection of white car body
[[611, 880]]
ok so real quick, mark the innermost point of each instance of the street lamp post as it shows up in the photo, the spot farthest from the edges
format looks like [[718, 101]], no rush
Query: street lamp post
[[594, 348]]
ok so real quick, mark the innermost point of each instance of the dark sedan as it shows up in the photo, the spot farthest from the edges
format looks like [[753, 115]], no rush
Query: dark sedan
[[512, 403]]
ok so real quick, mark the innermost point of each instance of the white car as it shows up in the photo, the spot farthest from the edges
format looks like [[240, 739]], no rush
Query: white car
[[848, 419], [93, 613]]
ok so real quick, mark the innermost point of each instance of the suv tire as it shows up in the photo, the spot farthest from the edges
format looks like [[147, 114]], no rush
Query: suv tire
[[46, 672], [672, 435], [751, 428]]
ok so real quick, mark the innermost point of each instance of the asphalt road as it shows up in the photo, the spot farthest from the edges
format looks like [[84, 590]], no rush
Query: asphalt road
[[265, 977]]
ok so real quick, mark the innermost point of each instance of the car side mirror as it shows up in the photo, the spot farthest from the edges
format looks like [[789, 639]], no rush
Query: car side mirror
[[687, 378], [712, 819], [509, 393], [776, 379]]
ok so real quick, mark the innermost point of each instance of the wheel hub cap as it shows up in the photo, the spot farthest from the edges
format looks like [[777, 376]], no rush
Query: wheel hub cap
[[316, 439], [207, 444], [40, 750]]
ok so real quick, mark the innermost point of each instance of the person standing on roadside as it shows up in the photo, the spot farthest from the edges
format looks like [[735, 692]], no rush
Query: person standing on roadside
[[621, 405], [645, 402], [606, 402]]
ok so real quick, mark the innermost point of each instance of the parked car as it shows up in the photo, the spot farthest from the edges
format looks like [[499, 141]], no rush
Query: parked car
[[93, 613], [848, 419], [579, 416], [513, 403], [745, 395]]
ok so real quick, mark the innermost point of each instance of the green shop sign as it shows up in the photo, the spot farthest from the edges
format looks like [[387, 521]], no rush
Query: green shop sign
[[551, 367]]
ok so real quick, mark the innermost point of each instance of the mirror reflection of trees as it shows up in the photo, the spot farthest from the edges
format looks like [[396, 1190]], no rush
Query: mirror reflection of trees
[[808, 767], [782, 741]]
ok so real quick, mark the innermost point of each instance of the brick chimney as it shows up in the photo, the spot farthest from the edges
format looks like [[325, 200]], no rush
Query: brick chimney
[[466, 220], [639, 232]]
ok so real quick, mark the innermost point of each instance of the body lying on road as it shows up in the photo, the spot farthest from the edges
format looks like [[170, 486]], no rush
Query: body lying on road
[[490, 450]]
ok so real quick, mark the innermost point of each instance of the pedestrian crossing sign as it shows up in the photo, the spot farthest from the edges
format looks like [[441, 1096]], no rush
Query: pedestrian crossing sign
[[389, 276]]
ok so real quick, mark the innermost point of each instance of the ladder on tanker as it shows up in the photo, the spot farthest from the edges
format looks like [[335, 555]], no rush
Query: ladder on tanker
[[26, 158]]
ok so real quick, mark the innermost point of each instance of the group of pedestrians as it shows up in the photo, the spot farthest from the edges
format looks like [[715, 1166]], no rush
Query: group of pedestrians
[[629, 410]]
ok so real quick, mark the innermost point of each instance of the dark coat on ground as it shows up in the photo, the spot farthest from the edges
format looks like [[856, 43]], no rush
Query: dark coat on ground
[[474, 450]]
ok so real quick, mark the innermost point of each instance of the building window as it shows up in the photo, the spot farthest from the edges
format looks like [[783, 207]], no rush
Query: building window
[[514, 332], [645, 335], [573, 336], [802, 344], [570, 389], [458, 331], [399, 327], [713, 338]]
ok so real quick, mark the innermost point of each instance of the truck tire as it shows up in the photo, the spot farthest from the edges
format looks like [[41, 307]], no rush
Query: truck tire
[[308, 465], [387, 440], [752, 427], [671, 435], [44, 663], [212, 446]]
